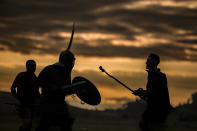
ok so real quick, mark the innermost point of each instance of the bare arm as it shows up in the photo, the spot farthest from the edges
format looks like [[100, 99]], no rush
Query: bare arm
[[14, 86]]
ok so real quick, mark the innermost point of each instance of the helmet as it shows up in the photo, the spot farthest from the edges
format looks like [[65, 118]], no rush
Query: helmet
[[67, 56]]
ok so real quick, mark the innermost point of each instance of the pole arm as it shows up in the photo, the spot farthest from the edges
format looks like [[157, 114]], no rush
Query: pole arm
[[101, 68]]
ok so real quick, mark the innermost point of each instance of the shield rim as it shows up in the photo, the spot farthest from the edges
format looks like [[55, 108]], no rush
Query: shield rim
[[98, 100]]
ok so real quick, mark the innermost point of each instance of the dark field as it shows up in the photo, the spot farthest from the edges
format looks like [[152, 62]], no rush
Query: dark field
[[182, 118]]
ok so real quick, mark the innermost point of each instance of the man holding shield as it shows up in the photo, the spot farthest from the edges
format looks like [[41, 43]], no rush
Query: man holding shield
[[55, 81], [54, 110]]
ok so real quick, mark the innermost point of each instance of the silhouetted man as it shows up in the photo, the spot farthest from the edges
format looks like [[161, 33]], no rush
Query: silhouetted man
[[156, 96], [54, 110], [26, 84]]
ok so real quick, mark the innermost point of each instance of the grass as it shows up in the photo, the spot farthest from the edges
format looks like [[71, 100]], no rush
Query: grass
[[124, 120]]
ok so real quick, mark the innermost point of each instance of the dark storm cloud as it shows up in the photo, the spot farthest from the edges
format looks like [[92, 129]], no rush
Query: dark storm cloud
[[40, 17], [166, 51], [191, 42]]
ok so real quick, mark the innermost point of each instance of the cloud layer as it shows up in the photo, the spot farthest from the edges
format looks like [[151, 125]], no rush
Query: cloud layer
[[111, 28]]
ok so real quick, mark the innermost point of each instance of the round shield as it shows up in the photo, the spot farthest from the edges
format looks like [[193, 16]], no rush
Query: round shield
[[87, 91]]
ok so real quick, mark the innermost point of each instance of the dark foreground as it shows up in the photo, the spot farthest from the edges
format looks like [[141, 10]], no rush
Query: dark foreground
[[183, 117]]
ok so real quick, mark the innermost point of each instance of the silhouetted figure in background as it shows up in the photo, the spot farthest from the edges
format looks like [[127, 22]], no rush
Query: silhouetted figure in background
[[27, 92], [156, 96]]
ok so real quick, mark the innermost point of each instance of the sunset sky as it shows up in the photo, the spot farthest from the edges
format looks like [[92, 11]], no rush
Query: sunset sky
[[117, 34]]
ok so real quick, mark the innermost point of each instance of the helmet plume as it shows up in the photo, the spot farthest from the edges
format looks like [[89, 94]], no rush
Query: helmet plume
[[71, 38]]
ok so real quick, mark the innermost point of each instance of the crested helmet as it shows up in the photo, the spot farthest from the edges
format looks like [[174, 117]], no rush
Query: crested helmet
[[67, 56]]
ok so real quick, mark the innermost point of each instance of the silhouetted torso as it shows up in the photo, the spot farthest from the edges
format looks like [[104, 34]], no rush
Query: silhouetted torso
[[27, 87], [158, 103], [52, 78], [54, 110]]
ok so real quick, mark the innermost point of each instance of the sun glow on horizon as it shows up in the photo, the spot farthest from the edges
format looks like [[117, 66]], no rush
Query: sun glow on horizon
[[88, 66]]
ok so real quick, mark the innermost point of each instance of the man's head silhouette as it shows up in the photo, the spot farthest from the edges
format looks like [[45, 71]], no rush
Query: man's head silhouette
[[152, 61], [31, 66], [67, 58]]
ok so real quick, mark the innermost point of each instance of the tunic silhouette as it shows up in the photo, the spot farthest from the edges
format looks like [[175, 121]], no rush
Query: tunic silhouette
[[27, 87], [156, 95], [54, 110], [27, 92]]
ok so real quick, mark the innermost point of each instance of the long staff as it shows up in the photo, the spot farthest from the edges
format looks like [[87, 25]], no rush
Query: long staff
[[101, 68]]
